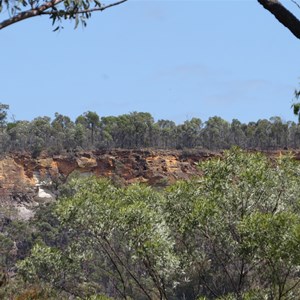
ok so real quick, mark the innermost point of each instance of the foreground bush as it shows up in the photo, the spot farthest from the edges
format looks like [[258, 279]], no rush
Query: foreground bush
[[233, 233]]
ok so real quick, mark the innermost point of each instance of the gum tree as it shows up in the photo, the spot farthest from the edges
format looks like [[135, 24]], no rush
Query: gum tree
[[237, 229], [118, 242]]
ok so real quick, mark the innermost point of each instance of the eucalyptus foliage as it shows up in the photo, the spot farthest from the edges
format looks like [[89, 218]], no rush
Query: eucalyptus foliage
[[227, 226], [138, 130], [233, 233], [57, 10]]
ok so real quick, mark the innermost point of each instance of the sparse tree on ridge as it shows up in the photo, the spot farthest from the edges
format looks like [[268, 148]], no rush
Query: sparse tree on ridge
[[91, 121]]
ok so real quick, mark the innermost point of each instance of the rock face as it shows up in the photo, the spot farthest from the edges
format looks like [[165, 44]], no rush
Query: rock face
[[25, 181], [19, 170], [132, 165], [24, 178]]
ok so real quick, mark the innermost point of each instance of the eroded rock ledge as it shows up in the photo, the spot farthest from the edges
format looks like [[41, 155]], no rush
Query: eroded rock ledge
[[150, 166], [25, 181]]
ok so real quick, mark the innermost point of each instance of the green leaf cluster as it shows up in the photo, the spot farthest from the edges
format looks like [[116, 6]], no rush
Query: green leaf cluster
[[233, 233]]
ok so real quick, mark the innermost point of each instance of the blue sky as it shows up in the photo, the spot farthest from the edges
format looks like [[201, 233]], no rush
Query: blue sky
[[174, 59]]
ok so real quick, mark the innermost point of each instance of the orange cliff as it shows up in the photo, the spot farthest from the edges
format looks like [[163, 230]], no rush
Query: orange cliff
[[20, 174], [26, 181]]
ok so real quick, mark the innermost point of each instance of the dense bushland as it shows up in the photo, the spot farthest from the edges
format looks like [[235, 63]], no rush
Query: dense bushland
[[233, 233], [139, 130]]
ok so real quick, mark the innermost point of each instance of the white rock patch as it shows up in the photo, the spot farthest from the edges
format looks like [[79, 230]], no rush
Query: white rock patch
[[44, 195], [25, 213]]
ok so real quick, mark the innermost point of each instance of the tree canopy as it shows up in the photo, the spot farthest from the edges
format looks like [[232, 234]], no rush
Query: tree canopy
[[231, 234], [136, 130]]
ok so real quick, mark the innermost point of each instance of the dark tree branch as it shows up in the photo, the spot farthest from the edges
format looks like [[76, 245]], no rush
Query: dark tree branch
[[42, 10], [29, 13], [283, 15]]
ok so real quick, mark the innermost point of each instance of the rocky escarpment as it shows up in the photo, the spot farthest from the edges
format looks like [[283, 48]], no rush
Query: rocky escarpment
[[26, 181]]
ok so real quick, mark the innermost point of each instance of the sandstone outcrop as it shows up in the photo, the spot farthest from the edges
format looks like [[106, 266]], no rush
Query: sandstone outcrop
[[26, 181], [17, 170]]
